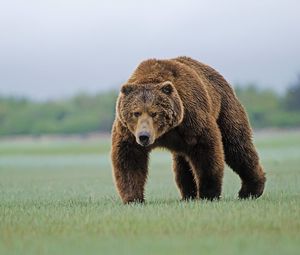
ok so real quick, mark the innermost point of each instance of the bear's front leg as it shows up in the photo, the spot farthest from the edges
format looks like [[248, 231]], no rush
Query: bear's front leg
[[130, 166], [207, 160]]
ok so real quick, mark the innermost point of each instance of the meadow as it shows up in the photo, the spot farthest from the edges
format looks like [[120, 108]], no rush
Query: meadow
[[57, 197]]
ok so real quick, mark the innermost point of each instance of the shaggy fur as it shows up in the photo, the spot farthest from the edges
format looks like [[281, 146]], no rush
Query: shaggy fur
[[189, 108]]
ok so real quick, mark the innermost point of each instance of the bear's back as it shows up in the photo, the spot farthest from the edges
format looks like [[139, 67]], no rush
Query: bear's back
[[214, 78]]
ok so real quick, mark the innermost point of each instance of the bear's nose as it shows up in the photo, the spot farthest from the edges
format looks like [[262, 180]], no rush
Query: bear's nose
[[144, 138]]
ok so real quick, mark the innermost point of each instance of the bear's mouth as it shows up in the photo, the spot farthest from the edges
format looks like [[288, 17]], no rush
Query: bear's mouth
[[144, 138]]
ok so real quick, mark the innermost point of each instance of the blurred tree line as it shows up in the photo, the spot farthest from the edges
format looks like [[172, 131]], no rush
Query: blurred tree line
[[82, 113], [266, 108], [86, 113]]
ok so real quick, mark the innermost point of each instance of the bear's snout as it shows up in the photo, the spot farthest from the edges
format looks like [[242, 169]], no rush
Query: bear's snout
[[144, 138]]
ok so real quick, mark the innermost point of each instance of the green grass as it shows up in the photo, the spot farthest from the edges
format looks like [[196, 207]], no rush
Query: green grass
[[57, 197]]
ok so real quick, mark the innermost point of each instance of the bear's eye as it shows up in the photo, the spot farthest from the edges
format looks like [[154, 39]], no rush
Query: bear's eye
[[153, 114], [167, 89], [137, 114]]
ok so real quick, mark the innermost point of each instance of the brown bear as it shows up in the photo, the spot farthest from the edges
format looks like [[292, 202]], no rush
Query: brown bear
[[189, 108]]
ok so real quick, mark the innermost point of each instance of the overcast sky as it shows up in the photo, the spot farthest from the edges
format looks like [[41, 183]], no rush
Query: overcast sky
[[55, 48]]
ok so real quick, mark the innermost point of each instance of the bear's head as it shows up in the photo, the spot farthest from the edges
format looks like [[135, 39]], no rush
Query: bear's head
[[149, 110]]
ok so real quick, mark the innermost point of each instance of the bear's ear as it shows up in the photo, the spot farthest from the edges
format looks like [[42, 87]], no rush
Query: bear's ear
[[167, 88], [126, 89]]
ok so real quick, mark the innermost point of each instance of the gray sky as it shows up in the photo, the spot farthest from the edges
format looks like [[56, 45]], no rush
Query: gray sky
[[56, 48]]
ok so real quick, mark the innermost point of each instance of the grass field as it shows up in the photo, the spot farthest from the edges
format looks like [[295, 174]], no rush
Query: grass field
[[57, 197]]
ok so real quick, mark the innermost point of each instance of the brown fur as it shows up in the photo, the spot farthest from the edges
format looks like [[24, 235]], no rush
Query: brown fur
[[188, 108]]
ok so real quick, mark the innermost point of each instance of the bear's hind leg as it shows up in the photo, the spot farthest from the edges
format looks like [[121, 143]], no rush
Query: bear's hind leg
[[240, 153], [184, 177]]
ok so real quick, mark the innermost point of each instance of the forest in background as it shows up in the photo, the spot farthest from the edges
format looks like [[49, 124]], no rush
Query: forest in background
[[85, 113]]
